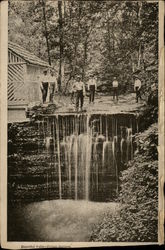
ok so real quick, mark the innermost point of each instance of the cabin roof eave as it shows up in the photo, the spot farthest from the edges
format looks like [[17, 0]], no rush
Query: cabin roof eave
[[26, 56]]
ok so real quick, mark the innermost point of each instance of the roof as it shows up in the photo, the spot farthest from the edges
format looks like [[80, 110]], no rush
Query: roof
[[26, 55]]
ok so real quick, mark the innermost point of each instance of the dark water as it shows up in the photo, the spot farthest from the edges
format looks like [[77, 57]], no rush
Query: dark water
[[71, 156]]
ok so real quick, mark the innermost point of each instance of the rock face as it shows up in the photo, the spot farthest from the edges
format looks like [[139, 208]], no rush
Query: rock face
[[69, 156]]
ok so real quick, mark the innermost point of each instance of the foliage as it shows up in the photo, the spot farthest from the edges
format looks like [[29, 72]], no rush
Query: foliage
[[149, 112], [106, 38], [136, 219]]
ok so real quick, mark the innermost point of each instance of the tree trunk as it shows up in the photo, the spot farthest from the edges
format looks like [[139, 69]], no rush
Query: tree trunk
[[113, 41], [61, 59], [85, 57], [132, 63], [46, 30], [139, 55], [139, 24], [109, 38], [140, 4]]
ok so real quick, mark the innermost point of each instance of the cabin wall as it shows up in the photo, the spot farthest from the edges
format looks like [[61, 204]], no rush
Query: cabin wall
[[33, 83], [23, 86], [16, 83], [23, 81]]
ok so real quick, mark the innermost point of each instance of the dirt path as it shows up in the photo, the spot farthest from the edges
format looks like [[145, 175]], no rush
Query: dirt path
[[126, 103], [60, 220], [103, 104]]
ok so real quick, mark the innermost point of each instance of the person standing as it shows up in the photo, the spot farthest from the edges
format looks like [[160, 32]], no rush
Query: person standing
[[115, 86], [92, 86], [44, 85], [79, 88], [137, 88], [52, 86], [73, 91]]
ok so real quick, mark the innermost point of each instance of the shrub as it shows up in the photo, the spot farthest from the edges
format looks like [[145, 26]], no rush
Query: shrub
[[137, 216]]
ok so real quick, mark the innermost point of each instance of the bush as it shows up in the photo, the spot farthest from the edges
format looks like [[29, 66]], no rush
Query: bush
[[137, 217]]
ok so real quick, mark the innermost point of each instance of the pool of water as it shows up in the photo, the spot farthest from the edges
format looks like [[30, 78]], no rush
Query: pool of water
[[56, 220]]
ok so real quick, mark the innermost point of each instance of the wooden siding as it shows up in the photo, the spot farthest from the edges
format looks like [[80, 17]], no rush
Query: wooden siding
[[23, 80], [14, 59], [16, 83]]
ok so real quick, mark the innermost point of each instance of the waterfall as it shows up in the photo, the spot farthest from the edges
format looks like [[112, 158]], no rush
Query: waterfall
[[47, 142], [96, 163], [88, 158], [88, 152], [70, 142], [75, 147], [129, 144], [106, 129], [58, 152], [114, 148], [106, 147]]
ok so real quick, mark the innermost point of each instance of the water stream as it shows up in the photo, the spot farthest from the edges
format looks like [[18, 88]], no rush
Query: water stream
[[87, 153]]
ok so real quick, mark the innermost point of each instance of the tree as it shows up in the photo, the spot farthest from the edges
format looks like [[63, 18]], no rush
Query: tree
[[43, 2], [61, 59], [78, 37]]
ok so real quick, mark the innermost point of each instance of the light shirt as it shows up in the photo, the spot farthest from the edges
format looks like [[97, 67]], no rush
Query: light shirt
[[44, 78], [137, 84], [52, 79], [92, 82], [77, 86], [115, 84]]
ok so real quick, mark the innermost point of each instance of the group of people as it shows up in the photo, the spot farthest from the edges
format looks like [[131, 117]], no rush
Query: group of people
[[78, 91], [137, 88], [49, 86]]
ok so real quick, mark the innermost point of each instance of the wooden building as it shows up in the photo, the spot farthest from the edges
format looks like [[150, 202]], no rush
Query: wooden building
[[24, 69]]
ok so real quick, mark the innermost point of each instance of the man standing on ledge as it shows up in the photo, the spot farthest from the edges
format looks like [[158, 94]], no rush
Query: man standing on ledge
[[137, 88], [44, 85], [92, 86], [52, 86], [79, 88], [115, 86]]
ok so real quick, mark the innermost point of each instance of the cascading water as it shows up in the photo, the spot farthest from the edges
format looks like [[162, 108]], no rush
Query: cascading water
[[88, 153]]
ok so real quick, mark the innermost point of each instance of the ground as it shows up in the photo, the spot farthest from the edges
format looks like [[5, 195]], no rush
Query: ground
[[126, 103], [103, 104]]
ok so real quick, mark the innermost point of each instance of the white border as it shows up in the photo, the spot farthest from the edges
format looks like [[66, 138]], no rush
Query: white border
[[3, 137]]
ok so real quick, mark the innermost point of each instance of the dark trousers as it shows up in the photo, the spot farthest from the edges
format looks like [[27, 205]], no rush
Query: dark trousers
[[138, 94], [115, 92], [72, 98], [44, 91], [92, 93], [79, 98], [51, 95]]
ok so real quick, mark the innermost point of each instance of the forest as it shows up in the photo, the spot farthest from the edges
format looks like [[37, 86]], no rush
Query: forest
[[106, 38]]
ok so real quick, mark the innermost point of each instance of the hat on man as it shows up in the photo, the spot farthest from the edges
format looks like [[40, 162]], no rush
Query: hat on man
[[91, 73], [78, 77]]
